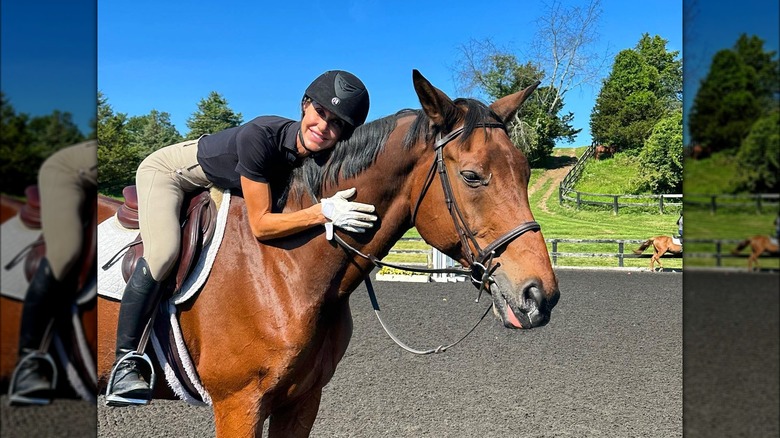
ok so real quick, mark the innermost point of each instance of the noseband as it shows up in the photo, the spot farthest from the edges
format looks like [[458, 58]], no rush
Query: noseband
[[481, 266]]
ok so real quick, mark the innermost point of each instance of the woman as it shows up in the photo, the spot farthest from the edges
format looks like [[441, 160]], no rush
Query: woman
[[254, 158], [64, 180]]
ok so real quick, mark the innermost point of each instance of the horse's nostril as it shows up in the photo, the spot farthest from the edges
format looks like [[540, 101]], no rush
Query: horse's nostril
[[533, 298]]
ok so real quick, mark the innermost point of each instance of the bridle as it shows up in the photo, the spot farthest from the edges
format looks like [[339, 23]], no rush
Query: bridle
[[481, 265]]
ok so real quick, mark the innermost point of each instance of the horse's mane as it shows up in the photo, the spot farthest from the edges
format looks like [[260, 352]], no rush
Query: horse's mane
[[353, 155]]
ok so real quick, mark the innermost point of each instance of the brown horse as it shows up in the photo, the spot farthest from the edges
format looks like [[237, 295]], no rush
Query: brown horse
[[758, 245], [602, 152], [270, 325], [661, 245], [11, 317]]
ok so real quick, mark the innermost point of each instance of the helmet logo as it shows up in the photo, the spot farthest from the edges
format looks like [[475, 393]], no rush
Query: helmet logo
[[343, 88], [335, 101]]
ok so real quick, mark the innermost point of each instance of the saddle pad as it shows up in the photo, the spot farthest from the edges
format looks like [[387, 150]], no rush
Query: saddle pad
[[676, 241], [15, 236], [773, 241], [112, 236]]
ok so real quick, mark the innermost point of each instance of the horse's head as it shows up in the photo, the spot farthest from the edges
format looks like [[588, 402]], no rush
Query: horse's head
[[476, 210]]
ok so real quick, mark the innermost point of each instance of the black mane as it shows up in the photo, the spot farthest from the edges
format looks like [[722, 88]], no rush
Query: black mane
[[354, 155]]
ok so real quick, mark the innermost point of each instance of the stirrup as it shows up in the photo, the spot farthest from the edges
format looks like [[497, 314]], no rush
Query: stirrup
[[19, 399], [118, 400]]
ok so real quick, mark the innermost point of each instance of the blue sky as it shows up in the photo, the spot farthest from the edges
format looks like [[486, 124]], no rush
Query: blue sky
[[169, 55], [261, 56], [47, 54]]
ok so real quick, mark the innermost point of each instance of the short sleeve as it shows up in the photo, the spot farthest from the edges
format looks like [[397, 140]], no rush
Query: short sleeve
[[255, 149]]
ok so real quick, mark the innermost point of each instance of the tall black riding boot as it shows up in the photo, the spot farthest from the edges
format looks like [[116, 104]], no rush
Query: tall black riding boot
[[34, 374], [129, 386]]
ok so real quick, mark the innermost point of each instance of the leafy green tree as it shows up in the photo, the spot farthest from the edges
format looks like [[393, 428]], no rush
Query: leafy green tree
[[152, 131], [628, 105], [17, 158], [662, 156], [25, 142], [645, 84], [740, 87], [213, 115], [669, 67], [53, 132], [537, 125], [759, 156], [118, 159]]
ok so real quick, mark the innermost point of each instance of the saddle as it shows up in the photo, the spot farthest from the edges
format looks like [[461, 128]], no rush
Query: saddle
[[198, 220], [30, 215]]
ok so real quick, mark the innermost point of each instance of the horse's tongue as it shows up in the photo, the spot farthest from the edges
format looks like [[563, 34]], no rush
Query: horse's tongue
[[510, 315]]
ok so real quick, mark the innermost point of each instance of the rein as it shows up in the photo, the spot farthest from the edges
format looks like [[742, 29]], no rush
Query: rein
[[481, 265]]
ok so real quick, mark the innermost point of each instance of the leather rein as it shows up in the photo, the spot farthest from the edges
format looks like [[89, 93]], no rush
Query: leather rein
[[481, 265]]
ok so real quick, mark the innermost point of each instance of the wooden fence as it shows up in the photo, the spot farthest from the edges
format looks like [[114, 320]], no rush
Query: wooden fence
[[624, 250], [662, 202], [747, 201], [620, 254], [566, 193]]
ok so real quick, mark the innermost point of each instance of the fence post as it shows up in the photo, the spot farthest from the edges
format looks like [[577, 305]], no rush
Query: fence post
[[758, 203], [555, 252], [620, 254], [661, 203], [615, 203], [578, 200], [713, 204], [717, 253]]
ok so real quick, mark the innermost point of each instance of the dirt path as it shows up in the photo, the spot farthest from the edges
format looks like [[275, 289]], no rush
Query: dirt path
[[556, 175]]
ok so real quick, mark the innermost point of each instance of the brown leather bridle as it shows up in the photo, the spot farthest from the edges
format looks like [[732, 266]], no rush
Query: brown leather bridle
[[481, 266]]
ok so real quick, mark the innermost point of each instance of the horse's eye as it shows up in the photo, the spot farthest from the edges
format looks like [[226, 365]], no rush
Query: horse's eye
[[471, 178]]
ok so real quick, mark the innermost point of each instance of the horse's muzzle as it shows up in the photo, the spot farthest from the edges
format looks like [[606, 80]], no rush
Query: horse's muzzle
[[525, 307]]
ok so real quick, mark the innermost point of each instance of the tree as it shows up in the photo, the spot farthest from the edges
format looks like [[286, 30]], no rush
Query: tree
[[25, 142], [17, 157], [213, 115], [645, 85], [53, 132], [118, 159], [152, 131], [662, 156], [537, 125], [739, 88], [759, 156]]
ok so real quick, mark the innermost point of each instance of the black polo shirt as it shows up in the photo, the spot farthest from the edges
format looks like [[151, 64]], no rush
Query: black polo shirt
[[261, 150]]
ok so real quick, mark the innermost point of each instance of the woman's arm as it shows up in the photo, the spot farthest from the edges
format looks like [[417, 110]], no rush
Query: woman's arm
[[266, 225]]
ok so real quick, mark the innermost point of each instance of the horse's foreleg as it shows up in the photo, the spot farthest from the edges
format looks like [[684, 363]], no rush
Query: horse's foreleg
[[296, 420], [239, 415]]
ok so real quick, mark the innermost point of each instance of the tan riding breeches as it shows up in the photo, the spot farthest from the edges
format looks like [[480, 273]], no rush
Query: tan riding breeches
[[161, 181], [63, 180]]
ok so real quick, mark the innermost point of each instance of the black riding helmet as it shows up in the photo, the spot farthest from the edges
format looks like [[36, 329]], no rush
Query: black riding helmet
[[341, 93]]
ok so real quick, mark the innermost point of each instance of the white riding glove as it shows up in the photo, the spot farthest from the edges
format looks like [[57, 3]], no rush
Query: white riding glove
[[349, 216]]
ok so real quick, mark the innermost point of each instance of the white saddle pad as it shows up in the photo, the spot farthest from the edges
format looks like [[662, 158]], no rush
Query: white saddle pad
[[677, 241], [112, 236], [15, 236]]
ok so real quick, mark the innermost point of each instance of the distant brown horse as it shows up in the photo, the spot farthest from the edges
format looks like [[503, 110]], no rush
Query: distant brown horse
[[272, 322], [602, 152], [661, 245], [11, 317], [758, 245]]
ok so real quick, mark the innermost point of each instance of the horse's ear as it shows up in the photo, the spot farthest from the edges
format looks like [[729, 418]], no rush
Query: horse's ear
[[440, 109], [507, 106]]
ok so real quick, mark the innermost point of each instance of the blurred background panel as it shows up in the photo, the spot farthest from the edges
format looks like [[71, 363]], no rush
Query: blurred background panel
[[49, 99], [732, 144]]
